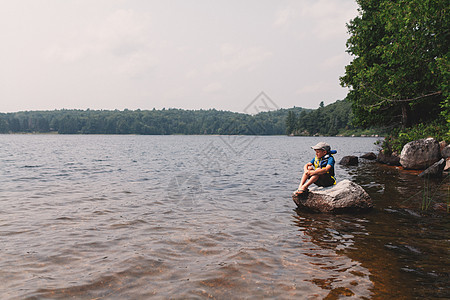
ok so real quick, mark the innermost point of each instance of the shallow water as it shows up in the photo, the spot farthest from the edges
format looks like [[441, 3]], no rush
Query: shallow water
[[117, 217]]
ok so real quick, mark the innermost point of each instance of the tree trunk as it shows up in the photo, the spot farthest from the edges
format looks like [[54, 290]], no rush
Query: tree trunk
[[405, 115]]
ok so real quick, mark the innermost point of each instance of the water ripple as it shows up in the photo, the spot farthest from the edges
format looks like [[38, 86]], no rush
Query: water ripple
[[117, 217]]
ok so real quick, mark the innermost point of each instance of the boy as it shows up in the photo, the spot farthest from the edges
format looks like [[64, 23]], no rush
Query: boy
[[320, 170]]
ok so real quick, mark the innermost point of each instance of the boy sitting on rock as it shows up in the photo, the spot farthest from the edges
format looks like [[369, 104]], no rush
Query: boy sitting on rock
[[320, 170]]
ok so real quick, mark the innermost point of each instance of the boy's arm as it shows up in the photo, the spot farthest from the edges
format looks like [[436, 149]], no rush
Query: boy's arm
[[321, 171], [306, 166]]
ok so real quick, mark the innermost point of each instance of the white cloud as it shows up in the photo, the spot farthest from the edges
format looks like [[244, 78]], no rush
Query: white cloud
[[235, 58], [336, 61], [137, 64], [284, 17], [213, 88], [123, 36], [174, 93], [328, 17], [313, 88], [192, 74]]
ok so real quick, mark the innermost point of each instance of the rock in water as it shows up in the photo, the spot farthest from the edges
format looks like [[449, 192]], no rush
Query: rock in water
[[420, 154], [349, 160], [345, 196], [435, 170], [392, 160], [369, 156]]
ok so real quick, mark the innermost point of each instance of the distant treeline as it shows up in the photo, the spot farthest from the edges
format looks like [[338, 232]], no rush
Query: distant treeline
[[329, 120], [154, 122]]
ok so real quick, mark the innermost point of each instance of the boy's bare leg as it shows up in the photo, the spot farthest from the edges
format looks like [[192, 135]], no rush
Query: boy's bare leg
[[311, 180], [305, 183], [302, 182]]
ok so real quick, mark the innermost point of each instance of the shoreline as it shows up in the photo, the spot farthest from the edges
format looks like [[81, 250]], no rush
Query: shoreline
[[181, 134]]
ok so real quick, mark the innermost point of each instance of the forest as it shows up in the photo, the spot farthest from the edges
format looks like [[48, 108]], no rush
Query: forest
[[400, 72], [326, 120], [333, 119]]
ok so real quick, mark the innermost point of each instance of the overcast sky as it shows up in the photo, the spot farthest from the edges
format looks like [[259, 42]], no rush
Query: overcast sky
[[190, 54]]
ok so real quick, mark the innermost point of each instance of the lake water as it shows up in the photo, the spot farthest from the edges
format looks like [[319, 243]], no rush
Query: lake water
[[134, 217]]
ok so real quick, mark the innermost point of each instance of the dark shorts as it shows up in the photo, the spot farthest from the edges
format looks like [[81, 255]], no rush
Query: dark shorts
[[325, 180]]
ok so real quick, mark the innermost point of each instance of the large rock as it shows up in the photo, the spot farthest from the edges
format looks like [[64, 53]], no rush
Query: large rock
[[392, 160], [435, 170], [345, 196], [420, 154], [349, 160], [369, 156]]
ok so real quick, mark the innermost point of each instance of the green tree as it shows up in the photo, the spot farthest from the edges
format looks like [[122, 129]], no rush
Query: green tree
[[14, 124], [42, 125], [400, 71], [4, 126], [291, 121], [68, 125]]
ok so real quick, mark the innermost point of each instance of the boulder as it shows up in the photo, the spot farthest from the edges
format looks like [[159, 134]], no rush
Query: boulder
[[420, 154], [369, 156], [392, 160], [435, 170], [349, 160], [345, 196]]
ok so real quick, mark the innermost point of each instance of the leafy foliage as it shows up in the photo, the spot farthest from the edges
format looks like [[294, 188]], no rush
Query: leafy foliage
[[394, 142], [400, 72], [329, 120]]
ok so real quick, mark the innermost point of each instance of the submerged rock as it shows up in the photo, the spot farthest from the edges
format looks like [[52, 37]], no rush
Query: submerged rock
[[420, 154], [349, 160], [345, 196], [435, 170], [392, 160], [369, 156]]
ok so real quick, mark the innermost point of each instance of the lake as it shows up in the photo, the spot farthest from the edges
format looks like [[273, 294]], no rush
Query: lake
[[134, 217]]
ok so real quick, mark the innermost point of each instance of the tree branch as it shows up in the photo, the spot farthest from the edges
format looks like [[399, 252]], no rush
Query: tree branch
[[398, 100], [406, 100]]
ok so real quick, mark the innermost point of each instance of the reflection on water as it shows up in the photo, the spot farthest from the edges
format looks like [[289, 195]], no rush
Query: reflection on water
[[207, 217], [406, 248]]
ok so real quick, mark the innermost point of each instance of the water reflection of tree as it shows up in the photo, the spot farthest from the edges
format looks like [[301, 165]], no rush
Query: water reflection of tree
[[394, 186], [349, 235]]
